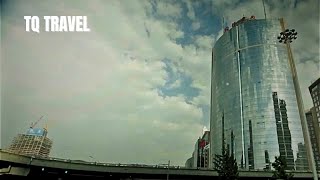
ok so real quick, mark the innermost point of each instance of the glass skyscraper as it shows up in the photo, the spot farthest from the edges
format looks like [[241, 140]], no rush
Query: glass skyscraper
[[254, 109]]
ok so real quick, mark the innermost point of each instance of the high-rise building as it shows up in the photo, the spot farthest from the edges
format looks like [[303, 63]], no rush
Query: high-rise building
[[314, 89], [34, 143], [314, 131], [254, 108]]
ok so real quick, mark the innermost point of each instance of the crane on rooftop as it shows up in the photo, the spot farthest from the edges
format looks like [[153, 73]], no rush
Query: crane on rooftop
[[35, 123]]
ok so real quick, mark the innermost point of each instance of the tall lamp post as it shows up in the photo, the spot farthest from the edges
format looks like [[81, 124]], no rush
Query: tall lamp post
[[168, 170], [95, 161], [168, 165], [286, 37]]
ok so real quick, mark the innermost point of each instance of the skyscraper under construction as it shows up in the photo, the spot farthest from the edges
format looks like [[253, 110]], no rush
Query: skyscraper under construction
[[34, 143]]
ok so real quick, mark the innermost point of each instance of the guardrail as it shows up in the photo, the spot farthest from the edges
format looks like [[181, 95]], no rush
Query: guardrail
[[80, 165]]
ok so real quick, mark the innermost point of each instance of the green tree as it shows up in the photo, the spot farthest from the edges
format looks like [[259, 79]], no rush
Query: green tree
[[226, 165], [280, 166]]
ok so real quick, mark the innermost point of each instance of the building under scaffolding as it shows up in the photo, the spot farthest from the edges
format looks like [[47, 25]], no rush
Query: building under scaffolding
[[34, 143]]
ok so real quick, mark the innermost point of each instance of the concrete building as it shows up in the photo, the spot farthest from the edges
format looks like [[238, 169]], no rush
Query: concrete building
[[195, 154], [204, 148], [314, 131], [314, 89], [253, 98], [34, 143], [200, 156]]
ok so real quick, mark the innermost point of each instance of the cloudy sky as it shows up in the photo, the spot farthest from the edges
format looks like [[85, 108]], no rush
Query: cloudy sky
[[136, 89]]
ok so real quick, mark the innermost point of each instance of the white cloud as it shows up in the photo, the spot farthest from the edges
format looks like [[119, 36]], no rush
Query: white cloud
[[233, 11], [172, 10], [195, 25], [306, 72], [205, 129], [99, 88], [190, 10], [204, 42], [191, 14], [175, 84]]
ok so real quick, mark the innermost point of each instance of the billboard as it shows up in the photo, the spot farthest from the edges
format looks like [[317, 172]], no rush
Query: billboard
[[36, 132]]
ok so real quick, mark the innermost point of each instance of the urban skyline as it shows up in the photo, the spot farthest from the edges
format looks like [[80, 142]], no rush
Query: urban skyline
[[142, 76]]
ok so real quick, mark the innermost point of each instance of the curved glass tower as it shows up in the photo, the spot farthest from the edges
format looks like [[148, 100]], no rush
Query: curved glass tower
[[253, 102]]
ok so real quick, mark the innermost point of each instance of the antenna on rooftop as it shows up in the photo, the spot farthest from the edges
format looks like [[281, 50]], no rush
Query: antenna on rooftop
[[222, 23], [264, 10]]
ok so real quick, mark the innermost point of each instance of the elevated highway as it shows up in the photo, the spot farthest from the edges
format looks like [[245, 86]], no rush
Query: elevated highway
[[19, 165]]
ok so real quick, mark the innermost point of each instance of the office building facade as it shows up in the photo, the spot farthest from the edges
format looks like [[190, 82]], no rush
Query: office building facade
[[254, 109], [314, 131], [314, 90]]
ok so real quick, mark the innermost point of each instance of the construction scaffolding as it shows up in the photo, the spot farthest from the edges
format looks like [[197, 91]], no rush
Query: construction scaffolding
[[34, 143]]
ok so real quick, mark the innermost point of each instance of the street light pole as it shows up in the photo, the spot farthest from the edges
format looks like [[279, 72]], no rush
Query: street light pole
[[168, 170], [286, 37], [95, 161], [91, 157]]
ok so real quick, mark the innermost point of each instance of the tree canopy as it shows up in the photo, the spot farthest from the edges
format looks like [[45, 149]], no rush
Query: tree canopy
[[226, 165], [280, 166]]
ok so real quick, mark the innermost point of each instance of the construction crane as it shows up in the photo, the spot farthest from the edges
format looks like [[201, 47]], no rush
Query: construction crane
[[35, 123]]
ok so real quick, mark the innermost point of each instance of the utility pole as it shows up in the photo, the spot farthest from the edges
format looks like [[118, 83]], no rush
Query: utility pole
[[168, 167], [199, 151]]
